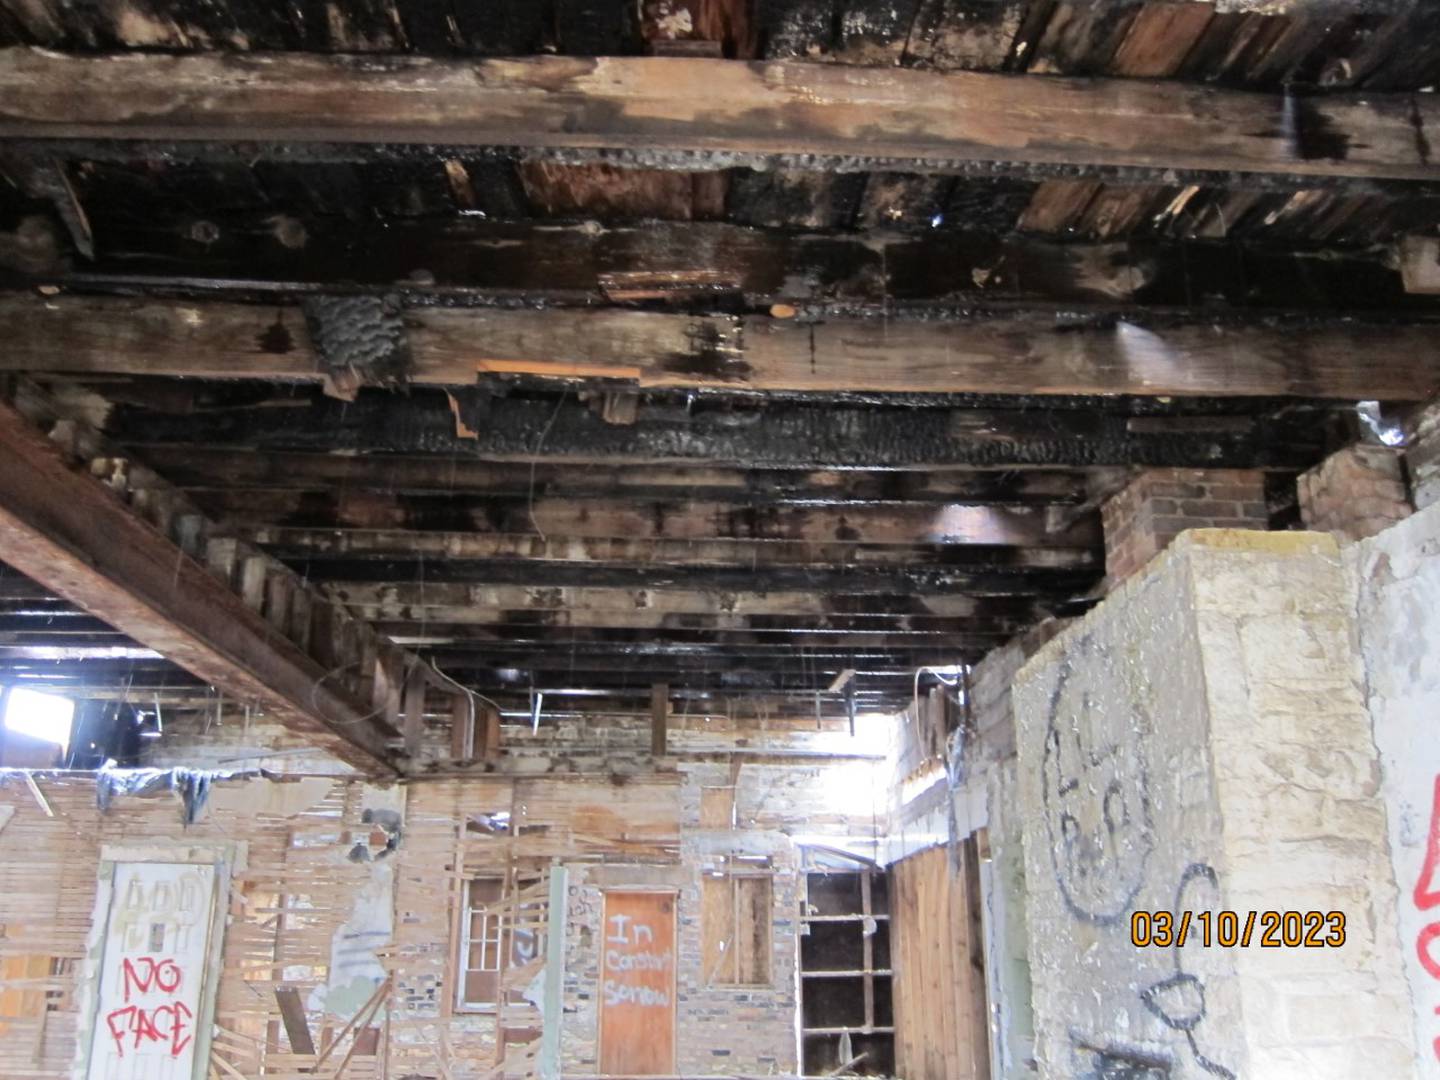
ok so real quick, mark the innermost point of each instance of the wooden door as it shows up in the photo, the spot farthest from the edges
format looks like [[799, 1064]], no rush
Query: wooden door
[[637, 985], [156, 944]]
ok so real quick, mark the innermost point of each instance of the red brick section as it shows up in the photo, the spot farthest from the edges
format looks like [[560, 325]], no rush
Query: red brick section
[[1159, 504], [1355, 492]]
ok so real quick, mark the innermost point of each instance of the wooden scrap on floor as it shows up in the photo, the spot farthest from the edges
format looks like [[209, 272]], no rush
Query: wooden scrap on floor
[[292, 1014]]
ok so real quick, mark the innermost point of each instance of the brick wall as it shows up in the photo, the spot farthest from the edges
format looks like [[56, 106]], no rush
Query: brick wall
[[1160, 504], [1355, 493]]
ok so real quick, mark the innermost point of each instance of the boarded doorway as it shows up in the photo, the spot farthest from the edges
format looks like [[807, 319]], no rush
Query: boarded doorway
[[637, 985], [149, 1012]]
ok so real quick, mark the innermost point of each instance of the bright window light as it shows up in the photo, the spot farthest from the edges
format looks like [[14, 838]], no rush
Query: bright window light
[[41, 716]]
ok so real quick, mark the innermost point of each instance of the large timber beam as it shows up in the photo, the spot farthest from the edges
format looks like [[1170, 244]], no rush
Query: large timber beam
[[201, 468], [488, 603], [261, 636], [696, 264], [885, 522], [729, 111], [873, 435], [992, 354]]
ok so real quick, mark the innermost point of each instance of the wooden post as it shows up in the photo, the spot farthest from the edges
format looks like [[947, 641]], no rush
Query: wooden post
[[554, 1012], [415, 685], [659, 717], [487, 737], [462, 726]]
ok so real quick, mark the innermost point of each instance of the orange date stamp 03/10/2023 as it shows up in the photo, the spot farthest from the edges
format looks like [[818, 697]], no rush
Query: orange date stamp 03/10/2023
[[1242, 929]]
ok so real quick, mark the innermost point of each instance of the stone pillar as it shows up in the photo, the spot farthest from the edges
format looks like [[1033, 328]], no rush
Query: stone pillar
[[1200, 743], [1355, 492], [1159, 504]]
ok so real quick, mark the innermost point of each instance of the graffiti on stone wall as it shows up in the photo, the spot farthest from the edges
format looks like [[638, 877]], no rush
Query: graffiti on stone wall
[[1112, 1062], [1096, 794], [1178, 1000], [1426, 896], [1095, 789]]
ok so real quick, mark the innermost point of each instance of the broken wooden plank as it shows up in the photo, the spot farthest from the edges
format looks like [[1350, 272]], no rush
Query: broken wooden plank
[[702, 106], [292, 1014]]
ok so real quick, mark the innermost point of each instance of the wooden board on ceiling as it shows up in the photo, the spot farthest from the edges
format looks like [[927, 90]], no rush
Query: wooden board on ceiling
[[750, 108]]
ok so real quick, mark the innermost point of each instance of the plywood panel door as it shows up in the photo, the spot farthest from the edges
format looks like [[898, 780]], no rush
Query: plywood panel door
[[157, 940], [637, 985]]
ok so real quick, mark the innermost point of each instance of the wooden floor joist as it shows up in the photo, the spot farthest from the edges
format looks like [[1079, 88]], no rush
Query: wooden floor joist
[[998, 354], [742, 111]]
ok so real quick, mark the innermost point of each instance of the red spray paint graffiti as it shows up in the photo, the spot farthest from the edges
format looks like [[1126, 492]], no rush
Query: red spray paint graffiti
[[1427, 896], [139, 1025]]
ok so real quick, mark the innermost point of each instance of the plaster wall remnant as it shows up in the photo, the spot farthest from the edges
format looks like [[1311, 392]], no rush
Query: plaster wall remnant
[[1396, 576]]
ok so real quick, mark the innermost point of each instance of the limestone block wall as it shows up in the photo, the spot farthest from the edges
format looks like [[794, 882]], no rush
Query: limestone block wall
[[1397, 582], [1200, 742]]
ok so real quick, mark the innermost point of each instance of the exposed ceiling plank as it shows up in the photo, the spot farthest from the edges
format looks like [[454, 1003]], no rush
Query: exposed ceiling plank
[[745, 110], [1056, 571], [200, 468], [532, 560], [696, 262], [1016, 354], [865, 523], [491, 603]]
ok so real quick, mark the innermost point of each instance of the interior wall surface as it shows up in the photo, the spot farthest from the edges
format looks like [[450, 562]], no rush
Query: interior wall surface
[[350, 893], [1396, 575]]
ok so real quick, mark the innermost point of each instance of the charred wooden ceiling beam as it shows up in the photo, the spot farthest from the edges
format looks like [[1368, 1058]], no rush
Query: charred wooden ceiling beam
[[501, 638], [498, 603], [509, 559], [141, 559], [1004, 571], [201, 468], [697, 265], [621, 660], [889, 522], [991, 353], [780, 436], [739, 112], [486, 679]]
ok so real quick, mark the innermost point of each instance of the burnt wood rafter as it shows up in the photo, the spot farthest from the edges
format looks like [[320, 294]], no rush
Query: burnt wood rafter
[[954, 523], [738, 112], [780, 436], [87, 523], [995, 354], [199, 469], [697, 265]]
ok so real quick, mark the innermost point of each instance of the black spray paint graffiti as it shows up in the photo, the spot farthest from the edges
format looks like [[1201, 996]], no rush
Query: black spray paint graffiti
[[1112, 1062], [1096, 793], [1179, 1000]]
